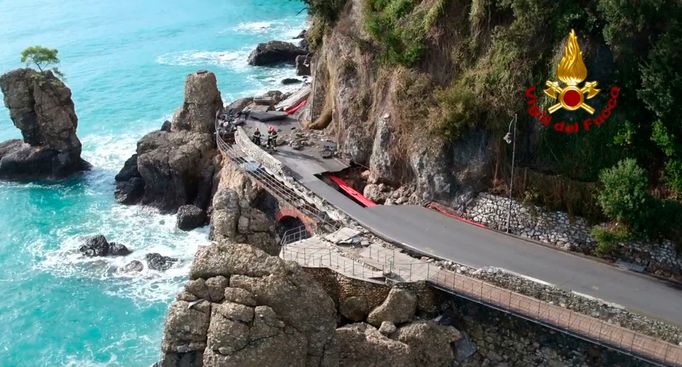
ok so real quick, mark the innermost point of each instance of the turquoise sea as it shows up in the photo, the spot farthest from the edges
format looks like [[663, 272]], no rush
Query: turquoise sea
[[125, 62]]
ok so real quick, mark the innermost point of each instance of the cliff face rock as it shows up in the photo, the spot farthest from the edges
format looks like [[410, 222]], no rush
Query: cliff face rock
[[377, 114], [175, 168], [40, 106], [242, 307], [234, 216]]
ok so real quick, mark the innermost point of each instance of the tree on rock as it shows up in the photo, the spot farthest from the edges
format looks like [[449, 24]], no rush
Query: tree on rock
[[42, 57]]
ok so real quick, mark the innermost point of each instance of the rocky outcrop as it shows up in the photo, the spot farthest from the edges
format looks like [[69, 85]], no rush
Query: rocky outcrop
[[235, 217], [40, 105], [275, 52], [242, 307], [97, 246], [175, 168], [202, 101]]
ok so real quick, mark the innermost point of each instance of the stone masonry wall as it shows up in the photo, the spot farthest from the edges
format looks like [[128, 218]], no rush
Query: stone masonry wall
[[569, 233]]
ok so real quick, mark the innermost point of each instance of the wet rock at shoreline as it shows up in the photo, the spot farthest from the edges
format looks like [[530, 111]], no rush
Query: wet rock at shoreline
[[40, 105], [98, 246], [134, 266], [190, 217], [274, 53], [288, 81], [159, 262]]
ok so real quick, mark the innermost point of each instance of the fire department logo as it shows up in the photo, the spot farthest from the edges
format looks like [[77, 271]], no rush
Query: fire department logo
[[571, 72]]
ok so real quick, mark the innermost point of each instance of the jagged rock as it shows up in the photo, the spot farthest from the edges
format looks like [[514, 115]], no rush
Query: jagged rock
[[98, 245], [361, 345], [176, 168], [354, 308], [167, 125], [273, 53], [238, 105], [382, 163], [259, 323], [159, 262], [134, 266], [190, 217], [40, 105], [398, 307], [430, 344], [202, 103], [429, 166], [302, 65]]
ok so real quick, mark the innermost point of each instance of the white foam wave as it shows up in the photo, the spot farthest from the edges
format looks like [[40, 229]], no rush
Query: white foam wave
[[230, 59], [253, 27], [144, 230]]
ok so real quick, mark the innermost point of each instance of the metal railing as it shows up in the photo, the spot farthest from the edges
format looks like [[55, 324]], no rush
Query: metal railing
[[644, 347], [294, 235]]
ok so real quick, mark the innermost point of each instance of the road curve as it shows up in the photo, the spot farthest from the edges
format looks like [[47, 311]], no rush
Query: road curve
[[431, 233]]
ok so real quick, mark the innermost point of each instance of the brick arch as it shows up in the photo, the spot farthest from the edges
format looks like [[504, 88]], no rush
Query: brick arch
[[284, 212]]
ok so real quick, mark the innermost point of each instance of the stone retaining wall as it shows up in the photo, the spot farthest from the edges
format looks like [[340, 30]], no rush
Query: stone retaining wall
[[569, 233]]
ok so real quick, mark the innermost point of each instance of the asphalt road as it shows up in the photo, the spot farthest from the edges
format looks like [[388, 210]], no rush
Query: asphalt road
[[431, 233]]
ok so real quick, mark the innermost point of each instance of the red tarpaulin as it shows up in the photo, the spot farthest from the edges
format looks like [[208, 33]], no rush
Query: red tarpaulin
[[351, 191]]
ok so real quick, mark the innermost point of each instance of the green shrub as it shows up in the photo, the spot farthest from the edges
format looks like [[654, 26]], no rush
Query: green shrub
[[608, 239], [624, 194], [328, 10]]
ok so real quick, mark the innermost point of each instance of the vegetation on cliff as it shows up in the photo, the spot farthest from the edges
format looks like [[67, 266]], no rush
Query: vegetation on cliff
[[466, 64]]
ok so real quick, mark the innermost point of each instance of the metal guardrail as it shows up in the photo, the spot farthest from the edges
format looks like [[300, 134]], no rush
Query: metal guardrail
[[294, 235]]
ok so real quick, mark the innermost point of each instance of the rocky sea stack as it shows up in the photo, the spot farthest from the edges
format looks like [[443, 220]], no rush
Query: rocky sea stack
[[41, 107], [174, 167]]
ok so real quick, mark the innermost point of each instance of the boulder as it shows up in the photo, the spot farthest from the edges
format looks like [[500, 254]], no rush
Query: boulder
[[40, 105], [259, 320], [159, 262], [190, 217], [166, 126], [430, 344], [97, 246], [274, 53], [354, 308], [302, 63], [186, 327], [361, 345], [399, 307]]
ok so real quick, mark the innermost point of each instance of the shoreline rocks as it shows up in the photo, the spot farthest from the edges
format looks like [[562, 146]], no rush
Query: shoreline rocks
[[190, 217], [98, 246], [40, 105], [275, 52], [156, 261]]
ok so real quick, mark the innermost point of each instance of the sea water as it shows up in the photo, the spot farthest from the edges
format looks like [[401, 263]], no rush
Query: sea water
[[126, 62]]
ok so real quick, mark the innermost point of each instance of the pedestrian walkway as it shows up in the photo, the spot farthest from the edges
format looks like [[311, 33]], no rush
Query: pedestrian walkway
[[378, 264]]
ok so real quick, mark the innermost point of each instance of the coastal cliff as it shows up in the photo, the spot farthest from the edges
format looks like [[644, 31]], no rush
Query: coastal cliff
[[40, 105]]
